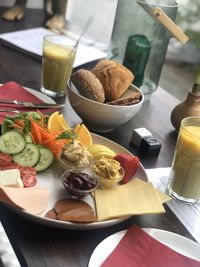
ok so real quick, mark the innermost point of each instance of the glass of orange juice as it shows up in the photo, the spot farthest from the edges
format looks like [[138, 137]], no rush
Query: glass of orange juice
[[184, 184], [57, 62]]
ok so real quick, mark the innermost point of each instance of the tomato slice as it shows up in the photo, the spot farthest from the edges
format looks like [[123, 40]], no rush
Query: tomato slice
[[5, 159], [27, 170], [10, 166], [29, 180]]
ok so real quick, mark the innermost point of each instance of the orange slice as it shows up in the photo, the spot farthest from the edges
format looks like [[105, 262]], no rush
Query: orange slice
[[84, 135], [57, 122]]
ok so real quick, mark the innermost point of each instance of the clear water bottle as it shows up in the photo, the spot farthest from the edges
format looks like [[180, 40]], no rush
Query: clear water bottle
[[140, 41]]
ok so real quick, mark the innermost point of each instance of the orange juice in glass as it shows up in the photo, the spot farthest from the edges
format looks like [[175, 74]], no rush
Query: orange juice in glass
[[184, 184], [57, 62]]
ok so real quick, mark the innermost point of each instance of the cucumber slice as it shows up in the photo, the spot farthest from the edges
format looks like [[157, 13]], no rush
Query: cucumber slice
[[46, 159], [29, 156], [28, 138], [12, 142]]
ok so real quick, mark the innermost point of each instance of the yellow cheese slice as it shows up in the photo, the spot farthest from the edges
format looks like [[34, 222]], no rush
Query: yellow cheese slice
[[136, 181], [134, 199]]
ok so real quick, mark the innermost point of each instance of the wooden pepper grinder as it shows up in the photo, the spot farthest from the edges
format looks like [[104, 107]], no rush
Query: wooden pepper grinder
[[190, 107]]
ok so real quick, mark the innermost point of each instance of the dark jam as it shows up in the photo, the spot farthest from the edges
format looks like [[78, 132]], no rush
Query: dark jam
[[80, 181]]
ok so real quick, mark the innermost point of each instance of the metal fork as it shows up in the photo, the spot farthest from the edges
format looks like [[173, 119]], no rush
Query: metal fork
[[10, 110]]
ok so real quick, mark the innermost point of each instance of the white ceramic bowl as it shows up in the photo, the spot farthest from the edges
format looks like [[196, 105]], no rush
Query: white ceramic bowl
[[101, 117]]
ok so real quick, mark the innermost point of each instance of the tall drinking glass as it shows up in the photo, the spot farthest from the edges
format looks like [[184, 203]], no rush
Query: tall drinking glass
[[184, 182], [57, 62]]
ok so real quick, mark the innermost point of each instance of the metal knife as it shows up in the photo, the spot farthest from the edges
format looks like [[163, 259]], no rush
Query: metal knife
[[31, 105]]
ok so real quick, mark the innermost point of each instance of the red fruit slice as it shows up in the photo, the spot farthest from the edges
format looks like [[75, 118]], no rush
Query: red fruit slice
[[27, 170], [29, 180], [5, 159], [10, 166], [130, 165]]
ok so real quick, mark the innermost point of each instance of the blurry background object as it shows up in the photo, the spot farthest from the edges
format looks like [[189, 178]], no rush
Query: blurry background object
[[101, 28], [55, 9], [188, 19], [181, 62], [181, 68], [189, 108], [140, 40]]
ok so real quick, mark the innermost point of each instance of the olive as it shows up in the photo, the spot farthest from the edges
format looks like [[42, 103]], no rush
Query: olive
[[81, 180], [76, 182]]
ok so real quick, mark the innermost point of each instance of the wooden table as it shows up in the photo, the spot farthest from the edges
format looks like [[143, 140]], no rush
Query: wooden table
[[37, 245]]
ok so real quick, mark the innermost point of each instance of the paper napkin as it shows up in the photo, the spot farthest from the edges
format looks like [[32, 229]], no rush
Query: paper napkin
[[13, 90], [139, 249], [134, 198]]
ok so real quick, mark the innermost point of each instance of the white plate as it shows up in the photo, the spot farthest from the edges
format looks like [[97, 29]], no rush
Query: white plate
[[178, 243], [51, 179]]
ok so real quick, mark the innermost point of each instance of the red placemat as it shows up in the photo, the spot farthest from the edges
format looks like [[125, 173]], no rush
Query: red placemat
[[13, 90], [139, 249]]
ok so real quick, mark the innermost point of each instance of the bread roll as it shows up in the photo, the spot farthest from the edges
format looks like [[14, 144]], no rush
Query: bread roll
[[103, 64], [114, 77], [129, 97], [88, 85]]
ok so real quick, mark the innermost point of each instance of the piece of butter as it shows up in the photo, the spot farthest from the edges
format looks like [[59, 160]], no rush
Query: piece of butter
[[11, 178]]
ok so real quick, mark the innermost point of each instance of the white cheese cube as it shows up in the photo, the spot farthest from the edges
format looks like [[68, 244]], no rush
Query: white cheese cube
[[11, 178], [139, 134]]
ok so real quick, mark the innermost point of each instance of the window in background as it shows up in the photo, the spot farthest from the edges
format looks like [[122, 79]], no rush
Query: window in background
[[103, 13]]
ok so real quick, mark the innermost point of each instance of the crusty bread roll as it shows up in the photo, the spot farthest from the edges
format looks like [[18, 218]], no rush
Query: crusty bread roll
[[129, 97], [88, 85], [103, 64], [114, 77]]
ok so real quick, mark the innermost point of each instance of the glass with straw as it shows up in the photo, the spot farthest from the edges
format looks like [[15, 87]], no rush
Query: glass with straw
[[57, 62]]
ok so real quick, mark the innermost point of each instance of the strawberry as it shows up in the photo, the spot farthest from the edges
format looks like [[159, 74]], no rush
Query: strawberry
[[130, 165]]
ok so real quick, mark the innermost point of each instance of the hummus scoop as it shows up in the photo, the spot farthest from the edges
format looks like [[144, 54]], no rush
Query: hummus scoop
[[108, 171], [74, 155]]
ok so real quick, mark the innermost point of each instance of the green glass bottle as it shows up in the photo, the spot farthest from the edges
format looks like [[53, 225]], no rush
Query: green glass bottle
[[136, 56]]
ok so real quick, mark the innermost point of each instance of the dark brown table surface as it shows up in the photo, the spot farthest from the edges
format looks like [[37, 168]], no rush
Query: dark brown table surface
[[38, 245]]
